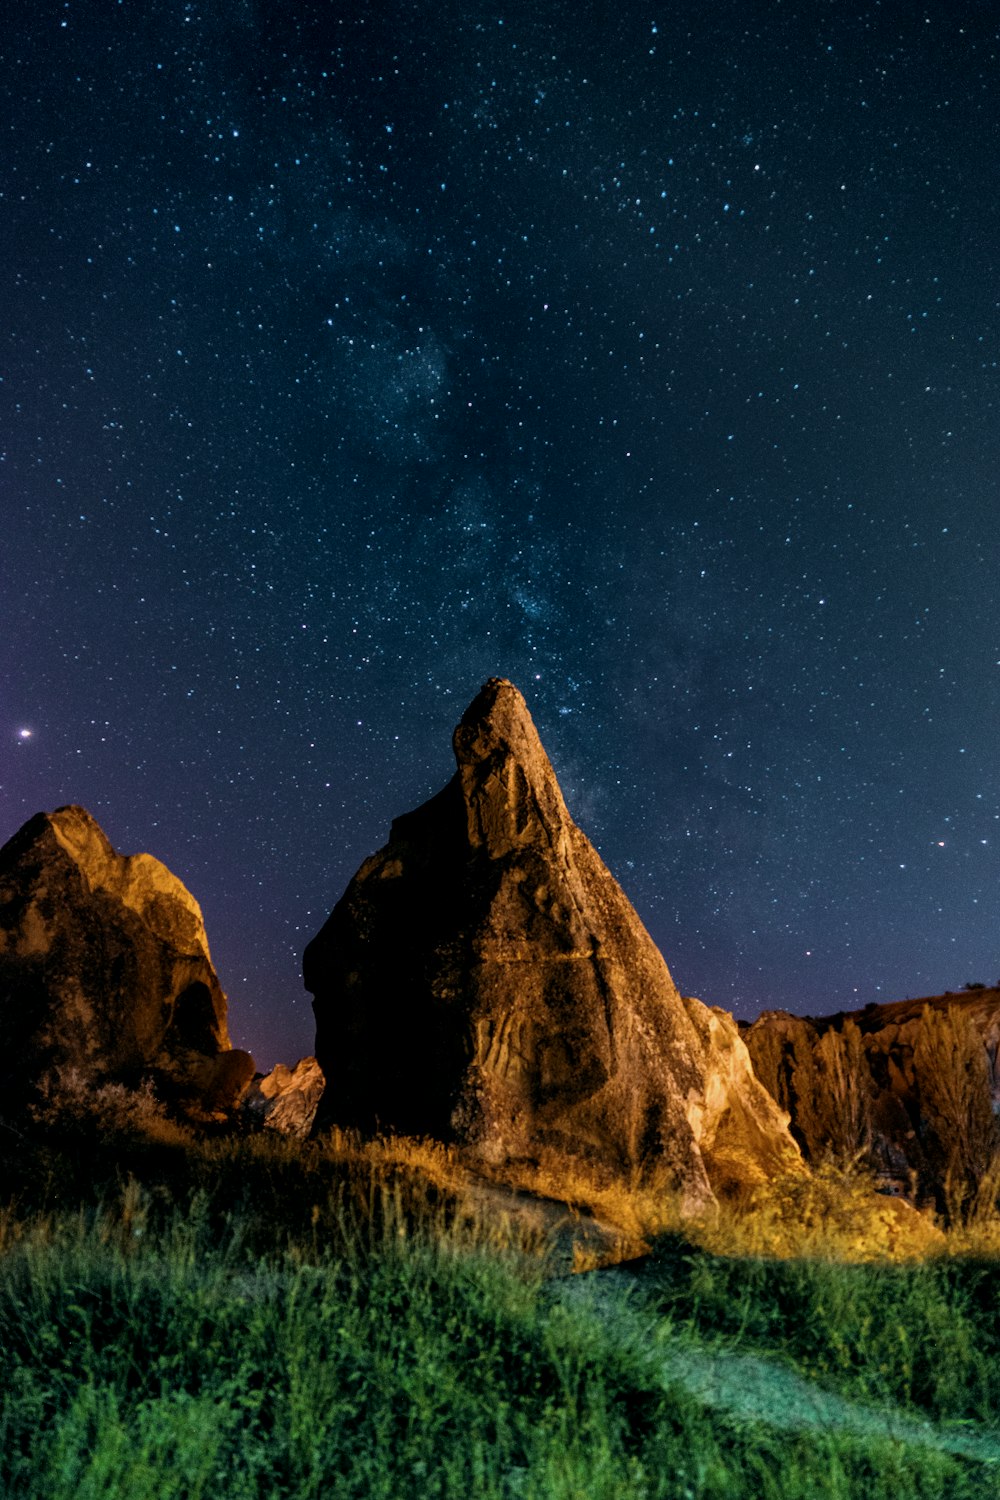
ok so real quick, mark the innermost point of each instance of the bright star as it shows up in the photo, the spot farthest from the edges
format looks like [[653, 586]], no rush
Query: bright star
[[24, 734]]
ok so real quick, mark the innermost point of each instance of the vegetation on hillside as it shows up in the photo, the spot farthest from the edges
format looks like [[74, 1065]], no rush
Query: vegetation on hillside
[[176, 1362], [258, 1318]]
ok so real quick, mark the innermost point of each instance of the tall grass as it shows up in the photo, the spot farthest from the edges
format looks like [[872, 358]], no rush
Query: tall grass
[[856, 1290], [262, 1318], [159, 1354], [924, 1336]]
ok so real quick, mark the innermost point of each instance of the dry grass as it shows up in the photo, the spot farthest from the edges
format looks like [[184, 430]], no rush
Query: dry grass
[[834, 1214], [634, 1210], [551, 1206]]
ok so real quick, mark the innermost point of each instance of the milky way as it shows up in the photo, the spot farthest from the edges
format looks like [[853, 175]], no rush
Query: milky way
[[353, 355]]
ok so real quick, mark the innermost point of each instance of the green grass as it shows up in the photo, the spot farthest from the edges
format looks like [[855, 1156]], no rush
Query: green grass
[[155, 1351], [923, 1335]]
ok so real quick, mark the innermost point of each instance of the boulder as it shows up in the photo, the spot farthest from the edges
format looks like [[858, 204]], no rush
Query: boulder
[[286, 1098], [105, 971], [485, 980]]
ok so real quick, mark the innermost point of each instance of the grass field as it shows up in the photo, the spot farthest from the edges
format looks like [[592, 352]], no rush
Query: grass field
[[261, 1320]]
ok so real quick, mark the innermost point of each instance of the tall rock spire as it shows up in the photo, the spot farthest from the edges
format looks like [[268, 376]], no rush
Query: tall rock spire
[[485, 979]]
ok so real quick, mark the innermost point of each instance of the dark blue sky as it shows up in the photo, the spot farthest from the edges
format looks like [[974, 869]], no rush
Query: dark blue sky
[[645, 355]]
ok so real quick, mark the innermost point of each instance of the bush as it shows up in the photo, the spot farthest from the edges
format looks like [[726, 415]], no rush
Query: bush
[[833, 1089], [72, 1104]]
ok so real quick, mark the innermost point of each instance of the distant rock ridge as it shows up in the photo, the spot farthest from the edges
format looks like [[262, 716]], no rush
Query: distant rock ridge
[[105, 970], [869, 1079], [485, 980]]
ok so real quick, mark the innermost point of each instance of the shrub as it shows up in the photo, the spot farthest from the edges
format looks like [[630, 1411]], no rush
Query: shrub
[[70, 1101]]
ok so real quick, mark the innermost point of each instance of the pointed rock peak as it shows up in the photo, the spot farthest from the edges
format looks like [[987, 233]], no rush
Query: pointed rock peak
[[511, 793], [79, 832], [498, 711], [497, 725], [484, 979]]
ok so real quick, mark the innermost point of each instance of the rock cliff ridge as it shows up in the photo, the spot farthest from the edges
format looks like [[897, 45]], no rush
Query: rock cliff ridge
[[912, 1085]]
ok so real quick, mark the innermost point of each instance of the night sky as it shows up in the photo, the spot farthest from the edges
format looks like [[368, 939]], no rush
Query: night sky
[[646, 355]]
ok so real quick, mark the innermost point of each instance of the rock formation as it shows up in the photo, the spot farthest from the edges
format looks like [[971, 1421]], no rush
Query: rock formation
[[872, 1080], [286, 1099], [485, 980], [105, 970]]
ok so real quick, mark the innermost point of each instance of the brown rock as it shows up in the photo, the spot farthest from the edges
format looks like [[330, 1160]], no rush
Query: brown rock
[[785, 1048], [105, 969], [777, 1042], [484, 979], [286, 1099]]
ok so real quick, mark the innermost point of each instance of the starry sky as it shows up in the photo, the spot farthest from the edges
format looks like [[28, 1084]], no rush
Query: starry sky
[[644, 354]]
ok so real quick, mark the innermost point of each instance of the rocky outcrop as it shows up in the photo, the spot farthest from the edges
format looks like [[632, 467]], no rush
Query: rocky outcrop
[[883, 1080], [485, 980], [105, 971], [286, 1099]]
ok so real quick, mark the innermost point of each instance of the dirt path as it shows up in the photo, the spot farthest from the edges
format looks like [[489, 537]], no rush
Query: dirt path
[[756, 1388]]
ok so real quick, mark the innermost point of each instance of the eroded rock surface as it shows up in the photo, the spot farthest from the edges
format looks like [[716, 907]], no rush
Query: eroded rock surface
[[286, 1099], [868, 1070], [105, 970], [485, 979]]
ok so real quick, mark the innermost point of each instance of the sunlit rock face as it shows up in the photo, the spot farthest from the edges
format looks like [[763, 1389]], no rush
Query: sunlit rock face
[[286, 1099], [484, 979], [105, 969]]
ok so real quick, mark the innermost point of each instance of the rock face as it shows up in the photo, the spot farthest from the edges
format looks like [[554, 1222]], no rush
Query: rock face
[[286, 1099], [485, 980], [899, 1081], [105, 970]]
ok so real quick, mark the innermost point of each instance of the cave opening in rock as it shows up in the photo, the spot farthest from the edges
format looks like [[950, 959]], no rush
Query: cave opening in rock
[[194, 1020]]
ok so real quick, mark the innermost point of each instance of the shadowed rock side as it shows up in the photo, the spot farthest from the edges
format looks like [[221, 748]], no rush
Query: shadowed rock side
[[105, 969], [484, 979], [899, 1082]]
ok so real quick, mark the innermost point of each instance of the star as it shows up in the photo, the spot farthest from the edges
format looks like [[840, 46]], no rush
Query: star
[[776, 402]]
